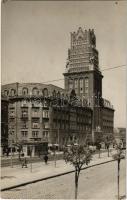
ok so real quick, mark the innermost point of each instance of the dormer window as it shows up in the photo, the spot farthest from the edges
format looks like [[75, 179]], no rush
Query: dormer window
[[13, 92], [45, 92], [35, 91]]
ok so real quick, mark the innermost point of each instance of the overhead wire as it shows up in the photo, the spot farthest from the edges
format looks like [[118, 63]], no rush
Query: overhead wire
[[105, 69]]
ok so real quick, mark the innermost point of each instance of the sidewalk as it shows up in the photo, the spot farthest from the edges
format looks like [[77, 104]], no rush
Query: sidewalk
[[12, 177]]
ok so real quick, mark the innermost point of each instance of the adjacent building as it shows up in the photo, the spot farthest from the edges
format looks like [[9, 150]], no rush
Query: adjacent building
[[39, 113], [120, 135]]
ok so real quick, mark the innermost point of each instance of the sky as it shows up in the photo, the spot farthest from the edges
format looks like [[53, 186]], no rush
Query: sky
[[36, 38]]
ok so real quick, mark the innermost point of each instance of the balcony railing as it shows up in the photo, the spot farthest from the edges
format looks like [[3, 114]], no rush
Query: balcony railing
[[24, 116]]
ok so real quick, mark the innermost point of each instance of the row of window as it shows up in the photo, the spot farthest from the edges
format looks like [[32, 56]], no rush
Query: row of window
[[34, 134], [34, 125], [80, 56], [79, 59], [34, 113], [78, 68], [79, 83], [81, 51], [35, 92], [79, 46]]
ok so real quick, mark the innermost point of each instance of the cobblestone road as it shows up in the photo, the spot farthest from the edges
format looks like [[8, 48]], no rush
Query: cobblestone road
[[99, 182]]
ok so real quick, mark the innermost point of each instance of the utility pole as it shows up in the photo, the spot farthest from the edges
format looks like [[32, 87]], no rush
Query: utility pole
[[31, 148], [93, 126]]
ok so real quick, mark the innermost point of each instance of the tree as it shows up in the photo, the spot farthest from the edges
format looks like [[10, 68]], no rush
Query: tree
[[118, 156], [20, 148], [77, 156], [98, 145]]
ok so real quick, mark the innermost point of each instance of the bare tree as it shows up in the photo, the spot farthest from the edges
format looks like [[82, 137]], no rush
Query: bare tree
[[77, 156]]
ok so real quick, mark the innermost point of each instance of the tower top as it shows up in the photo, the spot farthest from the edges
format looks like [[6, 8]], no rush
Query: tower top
[[82, 54], [86, 36]]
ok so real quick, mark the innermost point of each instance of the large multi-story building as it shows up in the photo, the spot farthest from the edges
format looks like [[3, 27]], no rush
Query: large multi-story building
[[39, 112], [43, 113], [84, 76]]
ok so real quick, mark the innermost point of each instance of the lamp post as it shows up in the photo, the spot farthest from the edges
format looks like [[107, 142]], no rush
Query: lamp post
[[54, 150], [31, 148], [11, 157]]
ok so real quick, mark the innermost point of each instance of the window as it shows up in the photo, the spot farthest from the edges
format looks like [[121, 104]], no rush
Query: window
[[70, 84], [81, 85], [12, 112], [24, 112], [45, 114], [58, 94], [24, 103], [35, 133], [35, 112], [45, 104], [12, 92], [76, 83], [6, 92], [25, 91], [35, 91], [35, 124], [46, 124], [24, 125], [54, 93], [86, 85], [45, 92], [24, 133], [45, 133]]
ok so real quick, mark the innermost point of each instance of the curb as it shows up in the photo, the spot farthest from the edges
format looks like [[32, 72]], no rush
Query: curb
[[53, 176]]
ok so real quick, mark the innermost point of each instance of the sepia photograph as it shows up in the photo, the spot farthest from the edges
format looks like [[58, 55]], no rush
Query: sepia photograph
[[63, 99]]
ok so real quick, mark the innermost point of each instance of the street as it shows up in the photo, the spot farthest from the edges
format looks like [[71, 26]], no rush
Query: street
[[99, 182]]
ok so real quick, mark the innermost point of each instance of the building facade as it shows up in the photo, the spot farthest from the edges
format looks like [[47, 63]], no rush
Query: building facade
[[4, 124], [47, 113], [120, 135], [43, 113], [83, 75]]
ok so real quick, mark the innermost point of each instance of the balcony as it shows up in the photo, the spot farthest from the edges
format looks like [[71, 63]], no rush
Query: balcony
[[24, 116], [35, 116], [12, 116]]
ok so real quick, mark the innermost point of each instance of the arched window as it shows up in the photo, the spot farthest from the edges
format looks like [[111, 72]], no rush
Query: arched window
[[6, 92], [62, 95], [58, 94], [54, 93], [81, 85], [35, 91], [25, 91], [45, 92], [12, 92]]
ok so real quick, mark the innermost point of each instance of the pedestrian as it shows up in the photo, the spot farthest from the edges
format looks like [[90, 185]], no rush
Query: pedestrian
[[24, 164], [7, 152], [46, 159]]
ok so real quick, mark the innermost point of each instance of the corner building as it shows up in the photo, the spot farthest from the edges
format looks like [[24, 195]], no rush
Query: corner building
[[39, 113], [83, 75]]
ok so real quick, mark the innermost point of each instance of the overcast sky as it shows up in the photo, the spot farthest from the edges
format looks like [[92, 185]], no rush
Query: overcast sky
[[36, 38]]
